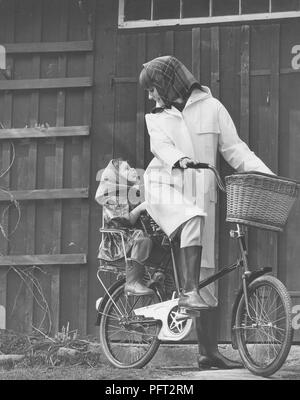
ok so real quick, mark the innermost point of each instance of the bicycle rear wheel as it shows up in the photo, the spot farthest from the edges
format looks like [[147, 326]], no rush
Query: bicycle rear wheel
[[264, 338], [128, 342]]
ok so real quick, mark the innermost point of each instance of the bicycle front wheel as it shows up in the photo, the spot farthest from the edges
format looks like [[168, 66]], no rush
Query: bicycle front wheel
[[264, 336], [128, 342]]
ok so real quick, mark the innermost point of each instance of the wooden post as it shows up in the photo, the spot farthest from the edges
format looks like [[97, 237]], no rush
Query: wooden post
[[86, 159], [59, 163], [6, 160]]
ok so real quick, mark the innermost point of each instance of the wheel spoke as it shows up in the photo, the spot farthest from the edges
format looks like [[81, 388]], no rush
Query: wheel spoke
[[128, 344], [115, 332], [274, 301], [262, 335], [277, 308]]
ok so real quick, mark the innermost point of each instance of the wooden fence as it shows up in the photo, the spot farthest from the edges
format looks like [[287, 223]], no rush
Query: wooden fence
[[75, 72], [46, 111]]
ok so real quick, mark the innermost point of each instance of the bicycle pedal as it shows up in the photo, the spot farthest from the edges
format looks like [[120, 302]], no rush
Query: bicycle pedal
[[182, 314], [185, 313], [194, 312], [182, 317]]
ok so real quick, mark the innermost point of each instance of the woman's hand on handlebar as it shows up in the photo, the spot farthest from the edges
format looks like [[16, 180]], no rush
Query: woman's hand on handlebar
[[187, 162]]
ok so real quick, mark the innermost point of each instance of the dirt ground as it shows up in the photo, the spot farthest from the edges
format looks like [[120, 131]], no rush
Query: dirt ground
[[157, 370], [148, 373]]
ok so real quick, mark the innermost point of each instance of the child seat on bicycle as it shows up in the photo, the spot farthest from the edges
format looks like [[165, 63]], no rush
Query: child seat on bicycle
[[119, 194]]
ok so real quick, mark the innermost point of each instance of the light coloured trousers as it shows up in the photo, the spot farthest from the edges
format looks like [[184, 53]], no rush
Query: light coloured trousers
[[191, 232], [190, 235]]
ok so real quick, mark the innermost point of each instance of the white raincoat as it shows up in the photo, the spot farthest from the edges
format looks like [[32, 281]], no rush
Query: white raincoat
[[174, 196]]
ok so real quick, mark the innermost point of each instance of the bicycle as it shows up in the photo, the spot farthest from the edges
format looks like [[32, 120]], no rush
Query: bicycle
[[132, 327]]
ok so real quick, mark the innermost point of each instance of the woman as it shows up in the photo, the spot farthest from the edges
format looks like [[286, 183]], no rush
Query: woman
[[188, 125], [118, 193]]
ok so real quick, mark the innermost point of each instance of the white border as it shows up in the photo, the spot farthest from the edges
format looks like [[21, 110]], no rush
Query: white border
[[201, 20]]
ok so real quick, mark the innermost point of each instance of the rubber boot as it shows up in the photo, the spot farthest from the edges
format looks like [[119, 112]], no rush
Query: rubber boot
[[190, 260], [209, 355], [134, 280]]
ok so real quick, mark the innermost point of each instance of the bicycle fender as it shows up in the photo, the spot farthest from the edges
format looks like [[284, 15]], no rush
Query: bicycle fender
[[250, 278], [105, 299]]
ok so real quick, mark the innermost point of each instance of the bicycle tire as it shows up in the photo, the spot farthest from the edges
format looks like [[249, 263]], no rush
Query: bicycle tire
[[241, 332], [107, 344]]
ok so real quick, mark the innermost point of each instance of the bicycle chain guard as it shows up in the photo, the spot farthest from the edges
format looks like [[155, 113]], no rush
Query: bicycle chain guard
[[173, 328]]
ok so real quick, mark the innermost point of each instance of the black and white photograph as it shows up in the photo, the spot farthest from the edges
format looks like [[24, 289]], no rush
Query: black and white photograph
[[149, 193]]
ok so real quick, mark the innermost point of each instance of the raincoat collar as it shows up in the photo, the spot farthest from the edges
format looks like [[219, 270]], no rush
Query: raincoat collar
[[197, 95]]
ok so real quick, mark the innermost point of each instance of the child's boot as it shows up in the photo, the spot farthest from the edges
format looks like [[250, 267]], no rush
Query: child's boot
[[134, 280]]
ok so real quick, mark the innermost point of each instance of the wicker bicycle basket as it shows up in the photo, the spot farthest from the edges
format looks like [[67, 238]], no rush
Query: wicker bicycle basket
[[260, 200]]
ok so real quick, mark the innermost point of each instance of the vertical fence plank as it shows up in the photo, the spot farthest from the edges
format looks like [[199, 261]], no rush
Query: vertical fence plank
[[5, 180], [59, 164], [230, 96], [125, 111], [183, 47], [215, 62], [205, 56], [32, 162], [102, 137], [8, 34], [168, 43], [244, 131], [140, 117], [86, 157], [274, 95], [213, 225], [20, 295], [215, 87], [196, 53], [268, 148], [6, 160], [86, 160], [245, 84]]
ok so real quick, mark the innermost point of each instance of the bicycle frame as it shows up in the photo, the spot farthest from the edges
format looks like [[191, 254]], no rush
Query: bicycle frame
[[242, 262]]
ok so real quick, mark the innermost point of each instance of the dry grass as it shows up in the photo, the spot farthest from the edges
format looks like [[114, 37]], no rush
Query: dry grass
[[42, 350]]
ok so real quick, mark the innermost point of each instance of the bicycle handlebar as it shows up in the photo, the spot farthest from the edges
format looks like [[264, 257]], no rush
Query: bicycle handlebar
[[214, 170], [201, 166]]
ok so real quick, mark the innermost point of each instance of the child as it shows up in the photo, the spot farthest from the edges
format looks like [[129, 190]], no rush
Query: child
[[117, 191]]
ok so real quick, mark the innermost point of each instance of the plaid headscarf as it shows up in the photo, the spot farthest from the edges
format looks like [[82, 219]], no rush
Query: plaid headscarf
[[170, 77]]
